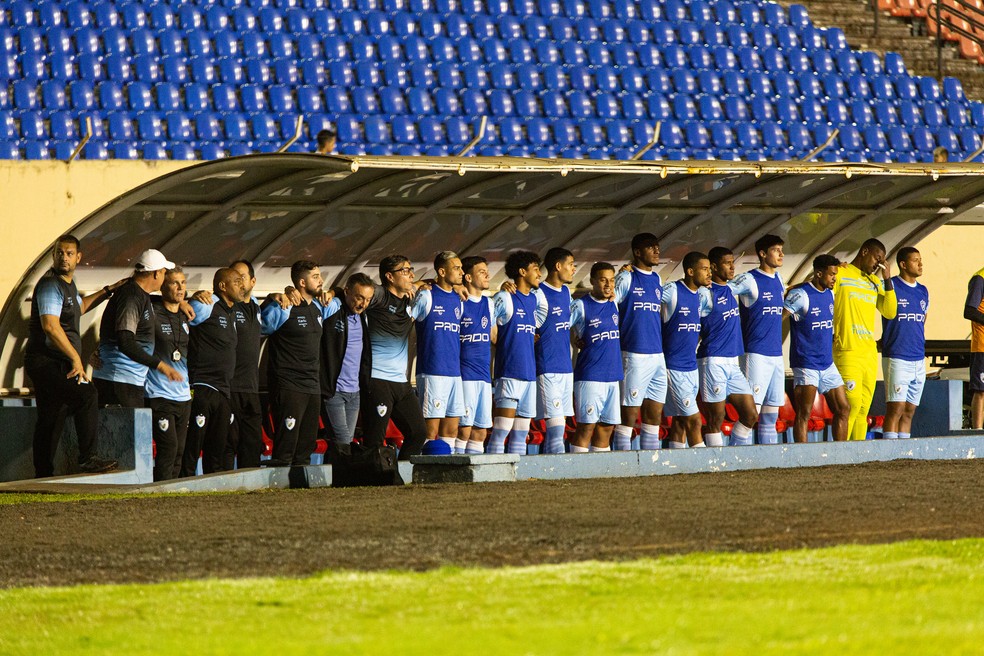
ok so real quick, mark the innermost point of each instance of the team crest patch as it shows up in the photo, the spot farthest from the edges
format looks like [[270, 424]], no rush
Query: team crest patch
[[437, 403], [831, 308], [898, 388], [717, 389], [485, 322], [556, 403], [163, 423], [757, 389], [381, 410], [290, 422], [850, 384], [200, 421], [467, 411], [686, 403], [590, 410], [232, 417], [634, 393]]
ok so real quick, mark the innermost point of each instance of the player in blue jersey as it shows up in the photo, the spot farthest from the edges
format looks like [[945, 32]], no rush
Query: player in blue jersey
[[638, 293], [684, 303], [437, 312], [760, 292], [515, 355], [811, 349], [721, 345], [478, 333], [904, 346], [594, 330], [554, 372]]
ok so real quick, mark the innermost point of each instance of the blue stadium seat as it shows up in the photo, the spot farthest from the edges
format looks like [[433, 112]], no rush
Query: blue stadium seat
[[810, 86], [61, 67], [787, 110], [309, 100], [431, 130], [957, 116], [674, 56], [861, 113], [907, 88], [710, 82], [800, 139], [970, 141], [875, 140], [447, 102], [565, 133], [773, 138], [953, 90], [837, 112], [9, 150], [671, 135], [910, 113], [898, 139], [933, 114], [787, 37], [167, 97], [178, 127], [53, 95], [150, 127], [882, 87], [885, 113], [633, 106], [659, 107], [208, 127], [264, 128], [722, 136], [850, 138], [976, 113], [684, 81], [762, 36], [659, 80], [736, 109], [710, 108], [697, 135], [947, 138], [738, 37], [813, 111], [61, 126], [649, 55], [762, 109], [923, 139], [847, 63], [734, 83], [760, 84]]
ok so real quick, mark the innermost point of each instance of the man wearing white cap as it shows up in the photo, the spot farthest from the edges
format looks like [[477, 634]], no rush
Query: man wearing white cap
[[126, 336]]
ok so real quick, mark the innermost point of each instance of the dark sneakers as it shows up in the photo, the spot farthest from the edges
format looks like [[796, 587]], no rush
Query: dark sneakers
[[96, 465]]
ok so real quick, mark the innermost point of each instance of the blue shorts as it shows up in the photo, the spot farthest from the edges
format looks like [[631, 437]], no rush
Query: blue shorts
[[645, 378], [682, 400], [597, 402], [478, 404], [440, 396], [904, 380], [720, 378], [824, 380], [767, 376], [554, 395], [518, 394]]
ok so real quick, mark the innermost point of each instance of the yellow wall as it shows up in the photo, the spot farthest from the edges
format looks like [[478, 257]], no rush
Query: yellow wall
[[951, 255]]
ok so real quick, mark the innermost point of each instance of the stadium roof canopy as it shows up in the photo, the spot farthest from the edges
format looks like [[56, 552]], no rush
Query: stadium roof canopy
[[347, 213]]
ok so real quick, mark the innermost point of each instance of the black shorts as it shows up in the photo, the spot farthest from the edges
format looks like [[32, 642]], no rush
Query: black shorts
[[977, 372]]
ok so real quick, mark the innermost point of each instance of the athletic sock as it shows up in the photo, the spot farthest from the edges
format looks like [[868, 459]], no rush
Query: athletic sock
[[599, 449], [702, 445], [474, 446], [767, 425], [459, 445], [554, 441], [500, 430], [450, 441], [741, 435], [904, 436], [676, 445], [623, 438], [714, 439], [517, 436], [649, 437], [579, 449], [887, 435]]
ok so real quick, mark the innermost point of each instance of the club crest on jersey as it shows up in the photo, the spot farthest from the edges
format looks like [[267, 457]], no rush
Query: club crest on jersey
[[831, 308], [850, 384], [200, 421], [163, 423], [184, 324], [556, 403], [922, 305], [615, 318], [381, 409], [485, 322], [290, 422], [457, 313], [686, 403]]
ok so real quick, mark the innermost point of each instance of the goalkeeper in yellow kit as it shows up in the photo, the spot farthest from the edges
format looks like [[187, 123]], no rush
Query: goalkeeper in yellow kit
[[857, 295]]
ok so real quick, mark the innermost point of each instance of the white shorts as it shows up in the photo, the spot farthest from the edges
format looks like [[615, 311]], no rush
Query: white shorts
[[597, 402], [441, 396], [478, 404], [824, 381], [767, 376], [554, 395], [518, 394], [720, 378], [904, 380], [682, 400], [645, 378]]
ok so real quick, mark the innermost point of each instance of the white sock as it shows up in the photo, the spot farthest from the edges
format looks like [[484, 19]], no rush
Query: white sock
[[904, 436], [450, 441], [714, 439], [460, 445], [676, 445], [500, 429], [699, 446], [595, 449], [622, 438], [741, 435], [475, 447], [649, 437], [578, 449]]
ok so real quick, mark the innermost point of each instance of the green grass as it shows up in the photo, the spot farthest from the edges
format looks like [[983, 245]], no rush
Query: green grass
[[912, 597]]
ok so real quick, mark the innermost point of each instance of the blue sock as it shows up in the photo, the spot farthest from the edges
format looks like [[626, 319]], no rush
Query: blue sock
[[554, 441], [474, 447], [767, 427], [649, 437], [623, 438], [887, 435], [517, 436], [500, 430], [741, 435]]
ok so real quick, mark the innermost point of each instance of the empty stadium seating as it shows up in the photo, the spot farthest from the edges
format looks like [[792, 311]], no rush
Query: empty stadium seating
[[572, 78]]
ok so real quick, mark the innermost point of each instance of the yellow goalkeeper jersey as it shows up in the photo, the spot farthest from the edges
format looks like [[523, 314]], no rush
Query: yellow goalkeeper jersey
[[856, 297]]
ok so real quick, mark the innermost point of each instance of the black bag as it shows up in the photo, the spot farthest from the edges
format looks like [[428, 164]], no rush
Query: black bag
[[353, 465]]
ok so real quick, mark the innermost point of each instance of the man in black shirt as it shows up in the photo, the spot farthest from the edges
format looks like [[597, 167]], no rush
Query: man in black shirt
[[245, 442], [54, 361]]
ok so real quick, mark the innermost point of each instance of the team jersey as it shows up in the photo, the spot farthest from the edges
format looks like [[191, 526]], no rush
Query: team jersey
[[975, 300], [438, 316], [212, 348], [682, 310], [904, 337], [553, 316], [596, 324], [720, 331], [295, 346], [856, 297], [57, 298], [249, 329], [515, 356], [170, 337], [638, 295], [760, 295], [811, 340], [476, 339], [130, 309], [389, 334]]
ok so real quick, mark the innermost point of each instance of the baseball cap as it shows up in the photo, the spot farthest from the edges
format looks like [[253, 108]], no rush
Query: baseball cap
[[152, 260], [436, 448]]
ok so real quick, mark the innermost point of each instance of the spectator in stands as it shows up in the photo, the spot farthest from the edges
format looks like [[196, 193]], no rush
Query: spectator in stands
[[721, 346], [53, 360], [126, 336], [346, 356], [478, 333], [811, 307], [554, 371], [941, 154], [326, 142], [857, 296], [974, 312], [594, 330], [904, 346], [684, 303]]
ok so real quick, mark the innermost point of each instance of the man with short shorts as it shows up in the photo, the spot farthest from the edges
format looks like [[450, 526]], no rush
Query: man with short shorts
[[554, 371], [904, 346], [478, 333]]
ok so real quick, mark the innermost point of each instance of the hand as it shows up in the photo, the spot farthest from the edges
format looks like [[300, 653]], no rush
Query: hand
[[461, 291], [326, 296], [116, 285], [95, 361], [78, 371], [169, 371], [204, 297], [185, 308], [283, 300], [293, 297], [625, 267], [509, 287], [886, 272]]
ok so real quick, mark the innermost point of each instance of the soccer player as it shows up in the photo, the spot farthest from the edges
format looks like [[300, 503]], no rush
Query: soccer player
[[684, 303], [857, 295], [515, 357], [904, 346], [478, 333], [437, 312], [721, 379], [760, 292], [811, 307], [594, 329], [638, 293], [554, 371], [974, 312]]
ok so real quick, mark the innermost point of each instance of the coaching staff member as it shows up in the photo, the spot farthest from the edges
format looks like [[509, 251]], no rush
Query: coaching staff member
[[245, 441], [54, 360]]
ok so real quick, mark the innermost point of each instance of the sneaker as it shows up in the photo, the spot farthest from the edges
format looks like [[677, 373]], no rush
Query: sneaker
[[96, 465]]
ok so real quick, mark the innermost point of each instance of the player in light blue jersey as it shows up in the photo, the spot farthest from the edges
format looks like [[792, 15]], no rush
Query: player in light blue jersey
[[638, 293], [594, 330], [721, 346], [760, 292], [554, 371], [437, 312], [478, 333], [904, 346], [515, 357], [685, 302], [811, 349]]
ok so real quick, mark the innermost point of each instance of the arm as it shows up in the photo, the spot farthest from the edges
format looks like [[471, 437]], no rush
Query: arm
[[796, 305], [577, 323], [668, 306], [93, 300], [200, 310], [745, 288], [421, 305], [888, 302], [975, 294], [706, 302], [273, 316], [53, 330], [502, 309], [542, 308], [623, 282]]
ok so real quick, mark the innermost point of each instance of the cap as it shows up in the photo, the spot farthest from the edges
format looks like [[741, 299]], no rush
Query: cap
[[152, 260], [436, 448]]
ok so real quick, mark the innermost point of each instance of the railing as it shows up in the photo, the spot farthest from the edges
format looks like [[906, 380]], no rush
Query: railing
[[952, 17]]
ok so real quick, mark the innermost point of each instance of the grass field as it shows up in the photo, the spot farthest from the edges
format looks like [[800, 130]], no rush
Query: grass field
[[911, 597]]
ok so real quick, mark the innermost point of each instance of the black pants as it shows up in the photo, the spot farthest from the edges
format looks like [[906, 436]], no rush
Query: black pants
[[121, 394], [295, 424], [55, 396], [207, 431], [170, 433], [385, 400], [245, 442]]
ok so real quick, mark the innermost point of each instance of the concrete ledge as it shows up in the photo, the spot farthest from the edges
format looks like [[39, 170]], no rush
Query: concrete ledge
[[460, 468]]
